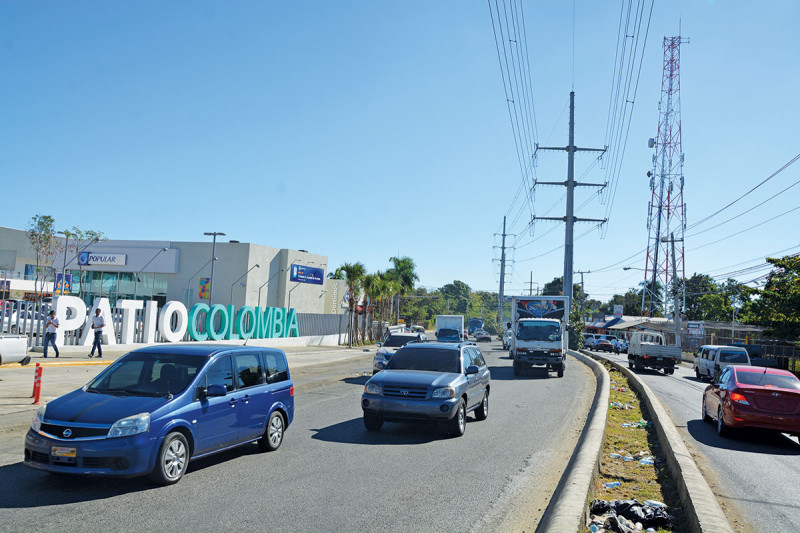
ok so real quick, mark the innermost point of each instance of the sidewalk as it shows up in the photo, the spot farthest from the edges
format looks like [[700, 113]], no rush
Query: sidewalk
[[71, 371]]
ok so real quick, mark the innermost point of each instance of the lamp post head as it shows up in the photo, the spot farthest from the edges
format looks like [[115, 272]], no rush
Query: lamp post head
[[164, 249]]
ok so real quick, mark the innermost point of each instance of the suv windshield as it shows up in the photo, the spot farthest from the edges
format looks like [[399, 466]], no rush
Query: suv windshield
[[434, 360], [534, 331], [148, 375], [733, 357], [396, 341]]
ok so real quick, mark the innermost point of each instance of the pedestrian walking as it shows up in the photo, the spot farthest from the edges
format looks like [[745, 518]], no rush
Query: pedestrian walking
[[617, 346], [50, 332], [98, 323]]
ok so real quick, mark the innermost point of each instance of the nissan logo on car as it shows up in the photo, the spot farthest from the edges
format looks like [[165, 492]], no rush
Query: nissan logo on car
[[67, 433]]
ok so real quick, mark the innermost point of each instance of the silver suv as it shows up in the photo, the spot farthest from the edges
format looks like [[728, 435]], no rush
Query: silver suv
[[434, 382]]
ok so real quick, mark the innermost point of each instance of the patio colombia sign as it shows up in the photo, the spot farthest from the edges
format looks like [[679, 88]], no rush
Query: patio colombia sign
[[173, 321]]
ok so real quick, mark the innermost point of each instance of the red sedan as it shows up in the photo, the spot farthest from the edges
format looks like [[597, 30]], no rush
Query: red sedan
[[603, 345], [753, 397]]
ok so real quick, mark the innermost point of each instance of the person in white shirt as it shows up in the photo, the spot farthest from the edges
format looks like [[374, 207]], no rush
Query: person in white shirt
[[98, 322], [50, 332]]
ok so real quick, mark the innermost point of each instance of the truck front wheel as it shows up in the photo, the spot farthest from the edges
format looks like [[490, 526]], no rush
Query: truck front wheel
[[517, 368], [561, 370]]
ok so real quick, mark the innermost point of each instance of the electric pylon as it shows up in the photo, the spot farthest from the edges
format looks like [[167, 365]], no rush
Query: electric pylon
[[666, 210]]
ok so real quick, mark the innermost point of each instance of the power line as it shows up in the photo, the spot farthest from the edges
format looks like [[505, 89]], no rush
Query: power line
[[746, 229], [715, 213], [745, 212]]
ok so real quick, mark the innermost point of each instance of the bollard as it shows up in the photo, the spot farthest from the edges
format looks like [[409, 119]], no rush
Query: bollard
[[37, 384], [35, 373]]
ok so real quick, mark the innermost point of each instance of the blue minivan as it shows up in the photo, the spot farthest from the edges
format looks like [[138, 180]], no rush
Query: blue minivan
[[156, 408]]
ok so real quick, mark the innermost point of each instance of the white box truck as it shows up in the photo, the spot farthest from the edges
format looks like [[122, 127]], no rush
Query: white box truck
[[450, 328], [539, 333]]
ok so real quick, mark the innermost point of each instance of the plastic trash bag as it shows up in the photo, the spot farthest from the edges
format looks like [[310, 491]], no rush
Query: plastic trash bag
[[634, 511]]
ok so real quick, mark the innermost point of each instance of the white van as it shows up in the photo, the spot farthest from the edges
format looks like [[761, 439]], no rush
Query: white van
[[711, 359]]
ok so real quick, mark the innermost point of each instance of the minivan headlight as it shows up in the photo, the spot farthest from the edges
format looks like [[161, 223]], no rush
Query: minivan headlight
[[444, 392], [133, 425], [38, 418]]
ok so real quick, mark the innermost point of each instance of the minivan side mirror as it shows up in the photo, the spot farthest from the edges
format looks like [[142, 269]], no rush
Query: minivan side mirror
[[216, 390]]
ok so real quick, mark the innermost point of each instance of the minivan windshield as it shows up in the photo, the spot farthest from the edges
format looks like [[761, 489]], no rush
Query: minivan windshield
[[726, 356], [536, 331], [434, 360], [148, 374]]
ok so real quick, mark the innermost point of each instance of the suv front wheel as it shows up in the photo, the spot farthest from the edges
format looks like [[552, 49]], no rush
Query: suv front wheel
[[458, 424], [483, 410], [372, 422]]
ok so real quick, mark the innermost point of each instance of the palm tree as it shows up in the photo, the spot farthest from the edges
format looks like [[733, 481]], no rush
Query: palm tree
[[336, 274], [370, 284], [404, 272], [353, 273]]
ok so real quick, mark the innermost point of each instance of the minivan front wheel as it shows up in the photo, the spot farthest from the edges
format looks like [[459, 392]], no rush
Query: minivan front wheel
[[273, 434], [172, 460]]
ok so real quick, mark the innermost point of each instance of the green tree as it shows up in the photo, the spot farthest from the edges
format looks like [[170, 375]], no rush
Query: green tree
[[42, 236], [778, 307], [697, 286], [404, 273], [457, 296]]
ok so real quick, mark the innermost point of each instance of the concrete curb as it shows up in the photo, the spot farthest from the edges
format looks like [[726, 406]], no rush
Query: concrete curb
[[567, 508], [702, 508]]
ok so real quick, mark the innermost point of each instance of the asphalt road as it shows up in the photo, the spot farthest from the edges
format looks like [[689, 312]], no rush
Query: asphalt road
[[330, 474], [754, 474]]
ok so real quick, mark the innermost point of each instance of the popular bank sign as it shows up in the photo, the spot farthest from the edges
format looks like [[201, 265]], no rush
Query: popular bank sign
[[173, 321]]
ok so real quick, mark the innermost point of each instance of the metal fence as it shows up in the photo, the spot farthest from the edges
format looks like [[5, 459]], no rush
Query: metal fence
[[28, 318]]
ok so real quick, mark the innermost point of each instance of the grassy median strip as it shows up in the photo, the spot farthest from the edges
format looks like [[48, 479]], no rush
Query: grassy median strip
[[632, 455]]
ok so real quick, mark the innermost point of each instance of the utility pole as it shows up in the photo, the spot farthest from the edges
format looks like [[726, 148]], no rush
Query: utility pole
[[570, 217], [676, 311], [583, 293], [530, 285], [502, 280]]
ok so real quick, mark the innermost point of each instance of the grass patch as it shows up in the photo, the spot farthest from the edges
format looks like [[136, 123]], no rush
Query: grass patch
[[642, 482]]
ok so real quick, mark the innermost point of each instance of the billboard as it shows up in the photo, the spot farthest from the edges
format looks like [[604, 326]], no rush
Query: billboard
[[618, 311], [696, 328], [539, 307], [204, 288], [307, 274], [67, 286], [91, 258]]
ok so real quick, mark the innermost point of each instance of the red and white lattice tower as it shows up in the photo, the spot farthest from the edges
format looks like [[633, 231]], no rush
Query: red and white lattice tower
[[666, 221]]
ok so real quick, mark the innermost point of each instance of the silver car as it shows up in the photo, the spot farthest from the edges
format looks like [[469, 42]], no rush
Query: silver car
[[387, 348]]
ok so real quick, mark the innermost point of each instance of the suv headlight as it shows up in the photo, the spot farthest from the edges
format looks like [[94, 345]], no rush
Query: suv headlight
[[372, 388], [444, 392], [38, 418], [133, 425]]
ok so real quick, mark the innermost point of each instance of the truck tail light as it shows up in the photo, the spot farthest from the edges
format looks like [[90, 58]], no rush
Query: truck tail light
[[291, 391]]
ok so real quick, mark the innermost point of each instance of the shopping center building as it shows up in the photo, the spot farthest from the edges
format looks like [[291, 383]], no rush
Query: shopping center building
[[244, 274]]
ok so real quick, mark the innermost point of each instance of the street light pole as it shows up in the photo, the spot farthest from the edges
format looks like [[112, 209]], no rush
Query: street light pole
[[240, 277], [262, 286], [213, 260], [136, 276]]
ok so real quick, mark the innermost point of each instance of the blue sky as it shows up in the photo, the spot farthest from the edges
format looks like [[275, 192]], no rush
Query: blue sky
[[363, 130]]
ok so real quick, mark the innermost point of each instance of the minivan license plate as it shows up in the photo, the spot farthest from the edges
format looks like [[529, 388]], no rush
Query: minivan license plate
[[63, 452]]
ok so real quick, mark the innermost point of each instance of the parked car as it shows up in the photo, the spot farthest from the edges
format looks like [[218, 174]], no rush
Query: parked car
[[753, 397], [22, 321], [507, 339], [434, 382], [389, 346], [157, 408], [419, 330], [482, 335], [589, 340], [711, 359], [603, 345]]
